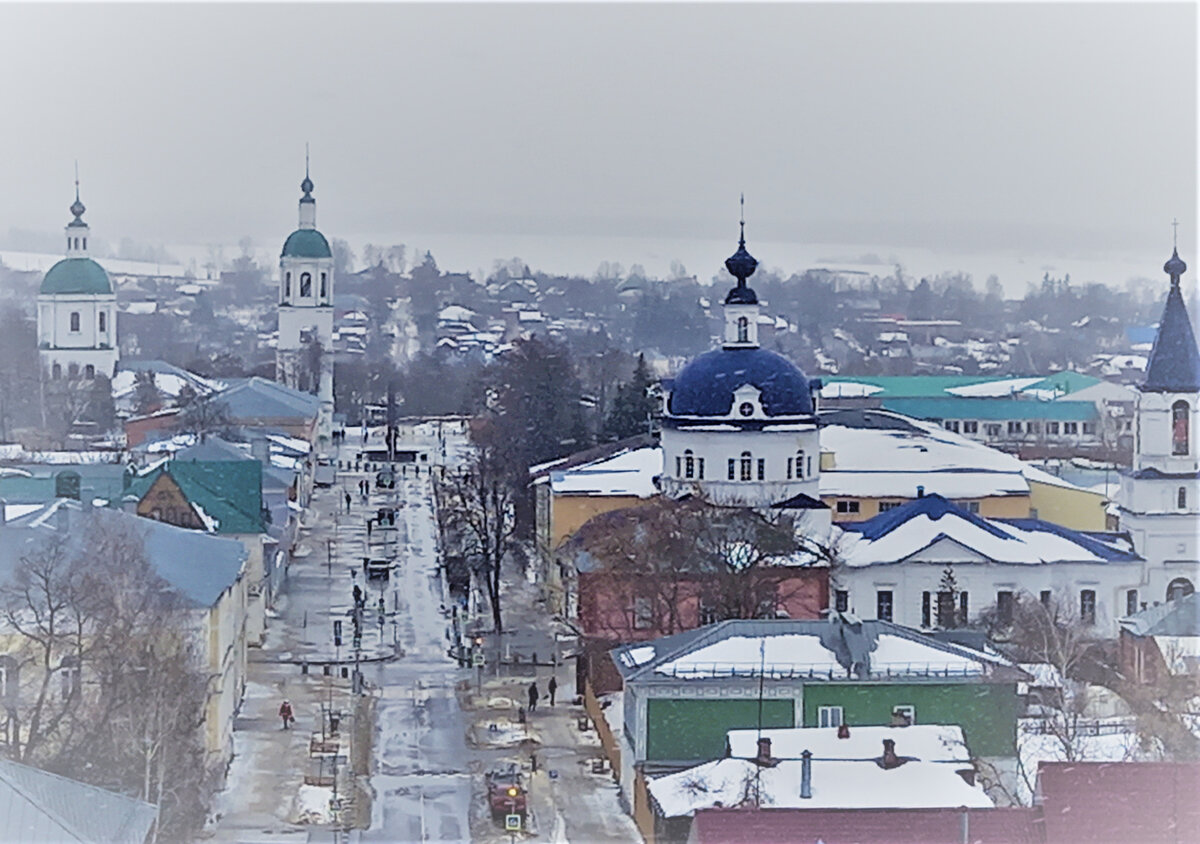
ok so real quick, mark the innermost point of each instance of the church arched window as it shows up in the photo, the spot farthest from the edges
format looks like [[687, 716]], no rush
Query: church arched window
[[103, 322], [85, 243], [743, 326], [1178, 588], [689, 464], [323, 287], [305, 285], [72, 370], [74, 320], [89, 371], [56, 371], [1180, 439], [287, 285], [747, 464], [1181, 498]]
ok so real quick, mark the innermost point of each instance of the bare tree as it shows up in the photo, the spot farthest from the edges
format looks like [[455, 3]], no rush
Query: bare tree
[[205, 415]]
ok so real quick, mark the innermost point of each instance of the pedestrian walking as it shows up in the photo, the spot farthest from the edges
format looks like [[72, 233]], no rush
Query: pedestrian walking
[[285, 712], [533, 696], [347, 501], [358, 595], [552, 687], [369, 528]]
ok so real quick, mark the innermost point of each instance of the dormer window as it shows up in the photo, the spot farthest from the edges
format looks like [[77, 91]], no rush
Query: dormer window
[[1180, 439], [305, 285], [743, 330]]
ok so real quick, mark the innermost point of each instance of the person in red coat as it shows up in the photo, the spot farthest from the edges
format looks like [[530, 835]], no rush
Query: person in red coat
[[285, 712]]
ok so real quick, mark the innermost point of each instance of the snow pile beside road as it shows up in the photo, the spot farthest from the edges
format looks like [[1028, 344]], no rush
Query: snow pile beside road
[[312, 804]]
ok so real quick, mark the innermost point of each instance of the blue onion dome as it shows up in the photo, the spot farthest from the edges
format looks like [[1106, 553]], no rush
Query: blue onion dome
[[741, 265], [705, 387], [1175, 266], [77, 208], [307, 186], [74, 276]]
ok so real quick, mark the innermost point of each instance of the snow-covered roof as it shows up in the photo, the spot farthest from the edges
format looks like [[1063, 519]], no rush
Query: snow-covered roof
[[927, 742], [934, 527], [628, 473], [994, 389], [848, 390], [140, 307], [834, 785], [455, 313]]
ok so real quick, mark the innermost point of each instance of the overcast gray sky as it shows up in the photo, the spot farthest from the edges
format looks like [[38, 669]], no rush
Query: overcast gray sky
[[964, 125]]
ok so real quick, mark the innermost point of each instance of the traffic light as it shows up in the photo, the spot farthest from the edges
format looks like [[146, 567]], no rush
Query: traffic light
[[337, 633]]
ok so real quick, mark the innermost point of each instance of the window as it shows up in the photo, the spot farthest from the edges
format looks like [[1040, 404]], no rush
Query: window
[[1087, 606], [925, 610], [747, 463], [847, 506], [970, 427], [1181, 498], [789, 469], [1004, 607], [1178, 588], [323, 287], [56, 371], [1131, 602], [1045, 598], [884, 506], [973, 507], [689, 464], [883, 605], [85, 243], [103, 322], [945, 610], [762, 469], [700, 468], [1180, 439], [69, 672], [964, 607], [829, 716], [678, 467], [3, 681], [800, 465], [72, 370], [305, 285], [732, 468], [1051, 427], [993, 429], [841, 600], [808, 466], [89, 371], [287, 285], [1089, 427], [951, 425], [1070, 427], [708, 610], [74, 320], [1034, 427], [1014, 427], [905, 711], [643, 615], [743, 330]]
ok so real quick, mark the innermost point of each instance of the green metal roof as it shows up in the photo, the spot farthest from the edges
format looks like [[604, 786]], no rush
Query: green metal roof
[[306, 243], [995, 410], [76, 275], [229, 491]]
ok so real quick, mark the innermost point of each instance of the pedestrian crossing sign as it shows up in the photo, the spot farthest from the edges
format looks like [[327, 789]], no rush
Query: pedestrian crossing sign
[[512, 823], [477, 660]]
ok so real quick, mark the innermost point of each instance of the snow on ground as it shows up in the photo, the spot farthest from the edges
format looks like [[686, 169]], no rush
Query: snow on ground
[[1116, 741], [312, 805]]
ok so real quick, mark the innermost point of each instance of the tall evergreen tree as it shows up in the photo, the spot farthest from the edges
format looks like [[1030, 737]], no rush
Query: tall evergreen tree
[[634, 406]]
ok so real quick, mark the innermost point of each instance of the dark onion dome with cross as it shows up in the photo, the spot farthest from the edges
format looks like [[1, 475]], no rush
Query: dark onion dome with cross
[[76, 274], [705, 387], [1174, 365], [306, 241]]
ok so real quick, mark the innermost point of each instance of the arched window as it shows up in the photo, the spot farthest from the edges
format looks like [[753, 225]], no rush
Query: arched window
[[1181, 498], [1179, 428], [323, 288], [85, 243], [72, 370], [743, 326], [689, 464], [56, 371], [89, 371], [74, 320], [747, 465], [287, 285], [1178, 588], [800, 465], [103, 322], [305, 285]]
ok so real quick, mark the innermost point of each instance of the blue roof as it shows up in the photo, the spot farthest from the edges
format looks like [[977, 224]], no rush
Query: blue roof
[[997, 410], [306, 243], [1174, 361], [932, 505], [1080, 538], [258, 398], [705, 386]]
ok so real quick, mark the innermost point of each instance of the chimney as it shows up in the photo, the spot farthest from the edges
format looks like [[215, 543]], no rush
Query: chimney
[[967, 774], [806, 774], [843, 731], [260, 449], [764, 752], [920, 491], [889, 759]]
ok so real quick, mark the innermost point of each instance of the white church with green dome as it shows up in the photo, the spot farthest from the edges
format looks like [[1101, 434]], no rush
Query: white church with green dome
[[77, 328], [306, 309]]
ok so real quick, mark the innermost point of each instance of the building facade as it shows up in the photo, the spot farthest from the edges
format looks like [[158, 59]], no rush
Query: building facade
[[77, 328]]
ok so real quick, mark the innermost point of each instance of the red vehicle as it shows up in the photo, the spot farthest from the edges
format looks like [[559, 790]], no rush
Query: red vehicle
[[506, 792]]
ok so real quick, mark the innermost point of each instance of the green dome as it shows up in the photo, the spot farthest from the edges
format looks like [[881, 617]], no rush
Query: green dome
[[306, 243], [76, 275]]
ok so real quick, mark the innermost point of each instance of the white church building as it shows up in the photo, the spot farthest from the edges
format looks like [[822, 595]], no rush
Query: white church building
[[306, 309], [76, 310]]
